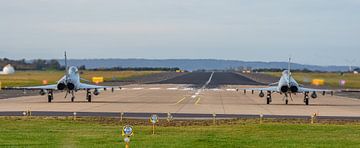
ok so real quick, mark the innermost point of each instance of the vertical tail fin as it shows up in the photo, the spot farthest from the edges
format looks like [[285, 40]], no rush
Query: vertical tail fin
[[66, 66], [289, 70], [289, 66]]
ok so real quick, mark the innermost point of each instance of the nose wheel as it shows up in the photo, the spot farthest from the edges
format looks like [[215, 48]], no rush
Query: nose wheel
[[72, 96], [286, 98]]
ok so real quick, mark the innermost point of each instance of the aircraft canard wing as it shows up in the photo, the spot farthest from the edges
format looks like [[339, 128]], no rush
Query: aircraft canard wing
[[272, 89], [303, 89], [89, 86], [47, 87]]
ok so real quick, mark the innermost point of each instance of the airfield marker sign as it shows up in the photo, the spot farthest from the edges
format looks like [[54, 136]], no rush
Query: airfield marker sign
[[74, 115], [169, 117], [154, 119], [121, 116], [214, 118], [261, 118], [127, 132], [97, 80]]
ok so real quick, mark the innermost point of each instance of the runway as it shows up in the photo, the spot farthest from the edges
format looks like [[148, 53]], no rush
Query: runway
[[185, 100]]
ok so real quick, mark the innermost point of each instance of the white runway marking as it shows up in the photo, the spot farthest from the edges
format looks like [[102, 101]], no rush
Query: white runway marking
[[216, 89], [155, 88], [230, 89], [172, 88], [208, 82], [138, 88], [202, 88], [188, 89]]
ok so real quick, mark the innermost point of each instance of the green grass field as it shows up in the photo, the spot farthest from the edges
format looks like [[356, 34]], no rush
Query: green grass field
[[40, 132], [31, 78], [331, 79]]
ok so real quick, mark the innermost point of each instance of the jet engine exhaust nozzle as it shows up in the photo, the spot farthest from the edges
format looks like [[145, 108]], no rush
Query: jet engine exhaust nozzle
[[284, 89], [61, 86], [294, 89], [70, 86]]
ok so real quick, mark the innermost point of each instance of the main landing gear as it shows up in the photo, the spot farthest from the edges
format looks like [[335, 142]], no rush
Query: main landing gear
[[88, 95], [306, 98], [268, 97], [50, 96]]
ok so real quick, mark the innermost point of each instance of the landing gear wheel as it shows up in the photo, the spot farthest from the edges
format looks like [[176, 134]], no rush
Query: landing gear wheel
[[268, 97], [88, 95], [50, 96], [72, 99], [286, 101], [89, 98], [306, 101], [306, 98]]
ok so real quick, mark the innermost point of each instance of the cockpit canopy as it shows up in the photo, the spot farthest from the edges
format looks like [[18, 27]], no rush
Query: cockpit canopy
[[73, 69], [286, 72]]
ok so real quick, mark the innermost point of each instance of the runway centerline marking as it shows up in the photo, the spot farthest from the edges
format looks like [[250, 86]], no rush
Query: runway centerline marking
[[197, 101], [180, 100], [208, 82], [197, 93]]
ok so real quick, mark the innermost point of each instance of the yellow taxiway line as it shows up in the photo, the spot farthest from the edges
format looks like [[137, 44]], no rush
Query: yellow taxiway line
[[197, 101], [180, 100]]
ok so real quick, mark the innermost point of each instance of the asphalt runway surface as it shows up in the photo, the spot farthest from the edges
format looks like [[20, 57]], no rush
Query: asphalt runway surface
[[198, 79], [185, 101]]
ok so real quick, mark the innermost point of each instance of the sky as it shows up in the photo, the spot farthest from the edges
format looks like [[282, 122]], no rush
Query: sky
[[318, 32]]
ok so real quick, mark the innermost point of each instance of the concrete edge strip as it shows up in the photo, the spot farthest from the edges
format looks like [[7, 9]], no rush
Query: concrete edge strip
[[185, 116]]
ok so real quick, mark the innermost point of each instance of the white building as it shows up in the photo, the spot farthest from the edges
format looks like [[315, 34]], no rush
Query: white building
[[8, 69]]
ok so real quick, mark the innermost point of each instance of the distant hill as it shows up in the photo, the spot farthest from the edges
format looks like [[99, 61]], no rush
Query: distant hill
[[194, 64]]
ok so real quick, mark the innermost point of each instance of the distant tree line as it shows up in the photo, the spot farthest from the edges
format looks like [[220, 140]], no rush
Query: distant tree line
[[281, 70], [37, 64], [40, 64], [134, 69]]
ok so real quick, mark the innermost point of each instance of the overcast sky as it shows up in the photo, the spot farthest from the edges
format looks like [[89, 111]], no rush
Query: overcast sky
[[321, 32]]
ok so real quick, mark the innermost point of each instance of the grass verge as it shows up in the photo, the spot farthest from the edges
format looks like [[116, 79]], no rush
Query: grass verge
[[103, 132], [32, 78]]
